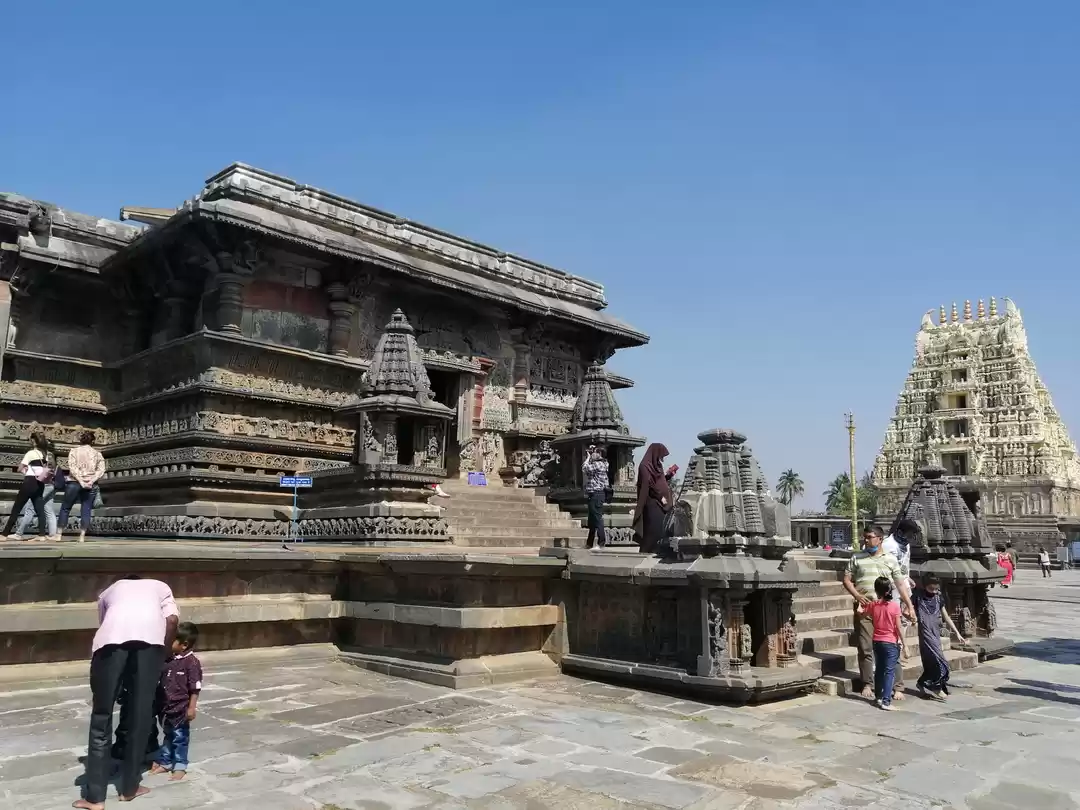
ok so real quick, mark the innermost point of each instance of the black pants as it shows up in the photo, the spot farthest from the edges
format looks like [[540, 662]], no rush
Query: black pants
[[596, 518], [136, 667], [31, 490], [123, 729]]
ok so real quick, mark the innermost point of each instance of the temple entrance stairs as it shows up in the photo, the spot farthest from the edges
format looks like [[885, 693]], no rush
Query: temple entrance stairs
[[823, 616], [506, 517]]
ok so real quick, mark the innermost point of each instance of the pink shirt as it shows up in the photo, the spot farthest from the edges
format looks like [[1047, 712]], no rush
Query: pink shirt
[[134, 610], [884, 615]]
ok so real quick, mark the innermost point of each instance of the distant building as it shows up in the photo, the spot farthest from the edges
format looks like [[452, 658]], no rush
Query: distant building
[[973, 402]]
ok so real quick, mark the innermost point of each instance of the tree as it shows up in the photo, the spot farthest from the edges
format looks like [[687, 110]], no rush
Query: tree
[[789, 487], [838, 496]]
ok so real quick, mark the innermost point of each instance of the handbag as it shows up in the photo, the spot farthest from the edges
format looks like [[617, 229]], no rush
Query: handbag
[[43, 473]]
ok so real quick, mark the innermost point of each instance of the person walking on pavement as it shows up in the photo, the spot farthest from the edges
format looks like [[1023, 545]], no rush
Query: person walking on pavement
[[597, 485], [862, 572], [1014, 557], [137, 624], [1044, 563]]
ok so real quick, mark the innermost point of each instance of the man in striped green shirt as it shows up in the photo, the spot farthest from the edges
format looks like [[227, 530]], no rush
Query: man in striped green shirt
[[862, 570]]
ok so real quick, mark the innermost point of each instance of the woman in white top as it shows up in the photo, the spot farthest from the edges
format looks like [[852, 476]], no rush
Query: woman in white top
[[35, 467]]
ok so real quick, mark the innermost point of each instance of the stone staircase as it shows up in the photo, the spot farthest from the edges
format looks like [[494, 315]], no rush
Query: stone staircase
[[823, 616], [501, 516]]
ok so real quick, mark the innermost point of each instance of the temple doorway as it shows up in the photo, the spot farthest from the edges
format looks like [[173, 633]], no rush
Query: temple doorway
[[446, 390]]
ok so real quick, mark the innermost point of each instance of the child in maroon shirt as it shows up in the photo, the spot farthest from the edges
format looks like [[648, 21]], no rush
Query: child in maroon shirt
[[178, 692]]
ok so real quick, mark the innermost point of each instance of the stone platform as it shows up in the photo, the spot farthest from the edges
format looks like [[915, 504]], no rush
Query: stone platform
[[453, 616], [295, 729]]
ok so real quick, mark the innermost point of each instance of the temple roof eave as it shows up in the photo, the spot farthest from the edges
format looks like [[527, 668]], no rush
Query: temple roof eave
[[601, 436], [252, 217], [400, 404]]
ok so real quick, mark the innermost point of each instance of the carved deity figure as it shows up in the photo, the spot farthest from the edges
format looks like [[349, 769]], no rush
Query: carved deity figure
[[746, 643], [789, 639], [718, 649]]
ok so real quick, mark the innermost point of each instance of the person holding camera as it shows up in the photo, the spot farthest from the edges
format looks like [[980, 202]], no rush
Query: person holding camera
[[597, 484]]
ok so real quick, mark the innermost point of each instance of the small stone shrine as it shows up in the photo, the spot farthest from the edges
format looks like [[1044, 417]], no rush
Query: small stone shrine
[[400, 453], [974, 403], [713, 615], [598, 420], [949, 540]]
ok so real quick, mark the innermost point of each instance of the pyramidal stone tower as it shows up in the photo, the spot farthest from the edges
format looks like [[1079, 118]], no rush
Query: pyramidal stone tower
[[973, 404]]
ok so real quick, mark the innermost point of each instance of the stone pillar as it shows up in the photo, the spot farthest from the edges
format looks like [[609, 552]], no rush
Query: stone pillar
[[522, 360], [230, 303], [342, 313], [738, 637], [788, 641]]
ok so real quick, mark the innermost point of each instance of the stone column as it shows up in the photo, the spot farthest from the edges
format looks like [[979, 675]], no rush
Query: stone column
[[522, 359], [342, 313], [230, 303], [740, 661], [7, 326]]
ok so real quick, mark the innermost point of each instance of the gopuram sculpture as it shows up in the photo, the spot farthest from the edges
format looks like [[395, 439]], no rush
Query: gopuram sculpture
[[973, 403], [949, 540], [400, 435], [222, 343], [713, 614], [598, 420]]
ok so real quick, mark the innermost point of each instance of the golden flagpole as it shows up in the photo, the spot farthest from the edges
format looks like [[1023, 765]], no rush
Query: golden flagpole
[[850, 418]]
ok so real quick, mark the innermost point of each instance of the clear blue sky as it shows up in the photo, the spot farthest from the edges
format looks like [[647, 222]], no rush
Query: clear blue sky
[[775, 191]]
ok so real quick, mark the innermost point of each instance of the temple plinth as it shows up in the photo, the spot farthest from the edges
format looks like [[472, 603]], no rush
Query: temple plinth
[[713, 613]]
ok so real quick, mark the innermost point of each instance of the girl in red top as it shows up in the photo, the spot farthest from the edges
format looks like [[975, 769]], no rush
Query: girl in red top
[[888, 641]]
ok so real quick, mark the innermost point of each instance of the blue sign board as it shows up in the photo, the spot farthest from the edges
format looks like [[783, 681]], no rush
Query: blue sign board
[[293, 481]]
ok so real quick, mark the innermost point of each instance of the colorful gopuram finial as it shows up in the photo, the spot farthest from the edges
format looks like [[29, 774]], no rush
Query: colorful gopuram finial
[[993, 307], [981, 312], [967, 310], [941, 316], [955, 314]]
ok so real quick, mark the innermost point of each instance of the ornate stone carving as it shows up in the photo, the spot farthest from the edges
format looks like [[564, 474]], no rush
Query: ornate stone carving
[[746, 643], [535, 468], [350, 528], [974, 403], [467, 456], [184, 458], [491, 452], [169, 422], [718, 641]]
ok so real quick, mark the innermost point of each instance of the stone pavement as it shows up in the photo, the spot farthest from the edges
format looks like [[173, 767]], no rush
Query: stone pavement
[[295, 730]]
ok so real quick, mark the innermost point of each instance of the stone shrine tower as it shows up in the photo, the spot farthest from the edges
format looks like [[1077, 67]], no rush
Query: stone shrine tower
[[974, 404]]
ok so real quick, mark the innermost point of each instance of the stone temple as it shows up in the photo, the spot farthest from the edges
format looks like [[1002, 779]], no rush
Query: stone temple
[[973, 404], [266, 327]]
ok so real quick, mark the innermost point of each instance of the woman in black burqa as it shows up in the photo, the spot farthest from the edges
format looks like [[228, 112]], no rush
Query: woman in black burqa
[[654, 499]]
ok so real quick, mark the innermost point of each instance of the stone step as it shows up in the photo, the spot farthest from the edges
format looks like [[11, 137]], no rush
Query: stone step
[[490, 494], [517, 541], [824, 620], [822, 640], [533, 531], [809, 605], [823, 589], [530, 522], [493, 512], [842, 683]]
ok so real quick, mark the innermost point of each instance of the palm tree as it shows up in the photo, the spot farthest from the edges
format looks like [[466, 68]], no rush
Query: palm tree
[[838, 495], [790, 486]]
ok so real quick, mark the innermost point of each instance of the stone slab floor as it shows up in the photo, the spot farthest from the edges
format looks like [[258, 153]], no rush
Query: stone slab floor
[[293, 730]]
